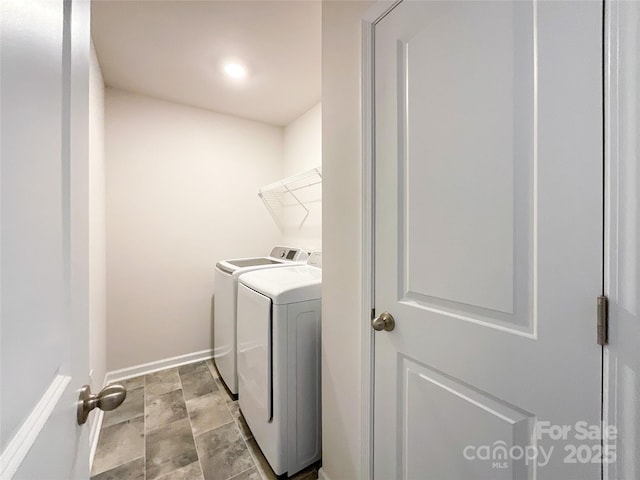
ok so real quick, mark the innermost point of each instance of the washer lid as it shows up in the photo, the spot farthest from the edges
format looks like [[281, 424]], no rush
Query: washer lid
[[235, 264], [286, 285], [278, 257], [252, 262]]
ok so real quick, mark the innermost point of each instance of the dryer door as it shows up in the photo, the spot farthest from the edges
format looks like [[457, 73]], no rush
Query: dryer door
[[255, 380]]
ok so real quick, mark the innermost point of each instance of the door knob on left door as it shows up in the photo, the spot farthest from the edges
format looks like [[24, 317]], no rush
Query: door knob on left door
[[384, 322], [110, 397]]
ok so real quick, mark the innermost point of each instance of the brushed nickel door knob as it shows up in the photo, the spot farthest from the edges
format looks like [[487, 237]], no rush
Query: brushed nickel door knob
[[109, 398], [384, 321]]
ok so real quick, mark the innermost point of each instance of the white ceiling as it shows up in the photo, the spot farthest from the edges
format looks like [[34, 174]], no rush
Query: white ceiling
[[173, 50]]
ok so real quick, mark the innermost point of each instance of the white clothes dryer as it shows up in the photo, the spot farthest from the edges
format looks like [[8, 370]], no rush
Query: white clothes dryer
[[279, 312], [224, 315]]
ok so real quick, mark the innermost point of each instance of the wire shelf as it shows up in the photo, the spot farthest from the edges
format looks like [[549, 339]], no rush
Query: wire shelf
[[288, 192]]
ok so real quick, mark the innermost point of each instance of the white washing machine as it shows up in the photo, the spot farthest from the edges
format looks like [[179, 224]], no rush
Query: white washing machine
[[226, 292], [279, 362]]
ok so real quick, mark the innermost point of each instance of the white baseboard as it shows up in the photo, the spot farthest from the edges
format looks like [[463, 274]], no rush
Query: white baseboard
[[322, 475], [94, 434], [145, 368]]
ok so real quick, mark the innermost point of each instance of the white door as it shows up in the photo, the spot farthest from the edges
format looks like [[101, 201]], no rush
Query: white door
[[44, 246], [488, 240]]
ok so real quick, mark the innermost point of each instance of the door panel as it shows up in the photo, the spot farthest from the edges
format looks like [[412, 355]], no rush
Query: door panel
[[44, 150], [31, 209], [466, 189], [488, 148], [485, 420]]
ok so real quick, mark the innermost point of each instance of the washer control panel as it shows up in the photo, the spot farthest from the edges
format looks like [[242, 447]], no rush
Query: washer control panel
[[288, 253]]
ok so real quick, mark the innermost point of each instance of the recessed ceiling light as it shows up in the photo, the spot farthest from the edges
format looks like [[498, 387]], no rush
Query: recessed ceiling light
[[235, 70]]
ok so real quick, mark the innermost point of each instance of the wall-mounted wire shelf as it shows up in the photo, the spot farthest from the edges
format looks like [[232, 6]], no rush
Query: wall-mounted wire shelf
[[289, 192]]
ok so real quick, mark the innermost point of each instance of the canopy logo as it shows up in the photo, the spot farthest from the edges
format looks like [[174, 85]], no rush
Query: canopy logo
[[501, 454], [577, 443]]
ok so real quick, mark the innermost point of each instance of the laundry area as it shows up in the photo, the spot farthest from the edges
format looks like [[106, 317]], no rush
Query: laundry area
[[212, 144]]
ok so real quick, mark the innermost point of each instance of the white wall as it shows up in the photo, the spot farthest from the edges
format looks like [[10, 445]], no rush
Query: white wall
[[303, 142], [342, 233], [302, 152], [97, 252], [181, 194]]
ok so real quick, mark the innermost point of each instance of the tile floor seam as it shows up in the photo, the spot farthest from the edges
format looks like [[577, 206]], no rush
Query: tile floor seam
[[243, 471], [226, 404], [246, 444], [153, 430], [233, 419], [214, 428], [195, 444], [253, 458]]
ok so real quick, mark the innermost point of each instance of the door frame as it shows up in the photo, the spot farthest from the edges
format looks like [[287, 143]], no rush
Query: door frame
[[618, 67], [372, 16]]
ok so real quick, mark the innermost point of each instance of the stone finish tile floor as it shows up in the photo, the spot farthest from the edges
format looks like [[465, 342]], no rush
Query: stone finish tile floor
[[180, 424]]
